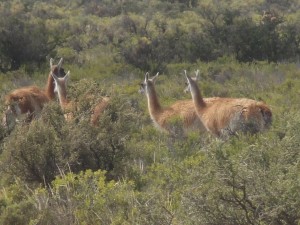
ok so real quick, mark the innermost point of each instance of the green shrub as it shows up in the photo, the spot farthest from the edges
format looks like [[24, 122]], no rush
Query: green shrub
[[39, 150], [85, 198], [17, 205], [34, 151]]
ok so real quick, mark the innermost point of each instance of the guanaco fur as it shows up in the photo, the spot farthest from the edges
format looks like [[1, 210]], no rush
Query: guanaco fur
[[228, 116], [163, 117], [30, 100]]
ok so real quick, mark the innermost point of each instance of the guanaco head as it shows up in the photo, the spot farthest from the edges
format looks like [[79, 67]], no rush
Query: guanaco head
[[148, 84], [189, 79], [57, 69], [59, 72], [61, 85]]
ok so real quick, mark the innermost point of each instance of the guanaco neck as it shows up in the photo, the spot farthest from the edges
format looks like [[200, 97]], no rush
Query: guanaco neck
[[50, 87], [153, 102], [197, 97]]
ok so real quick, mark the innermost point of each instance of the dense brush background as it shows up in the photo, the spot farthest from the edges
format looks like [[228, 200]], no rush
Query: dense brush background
[[125, 171]]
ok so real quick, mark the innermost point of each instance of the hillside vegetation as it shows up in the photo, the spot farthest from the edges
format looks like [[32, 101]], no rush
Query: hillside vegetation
[[125, 171]]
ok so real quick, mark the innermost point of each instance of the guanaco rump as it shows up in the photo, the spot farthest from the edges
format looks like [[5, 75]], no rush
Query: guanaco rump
[[69, 107], [229, 116], [163, 117], [30, 100]]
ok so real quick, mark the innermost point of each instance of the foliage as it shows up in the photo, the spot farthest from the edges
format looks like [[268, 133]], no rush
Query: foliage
[[39, 150], [185, 30], [124, 171], [16, 204], [152, 178]]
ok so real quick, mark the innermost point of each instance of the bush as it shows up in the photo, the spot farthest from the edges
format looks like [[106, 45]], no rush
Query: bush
[[39, 150], [34, 151], [16, 204], [85, 198]]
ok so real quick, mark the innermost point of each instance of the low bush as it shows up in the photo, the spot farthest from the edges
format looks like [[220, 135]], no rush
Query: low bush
[[39, 150]]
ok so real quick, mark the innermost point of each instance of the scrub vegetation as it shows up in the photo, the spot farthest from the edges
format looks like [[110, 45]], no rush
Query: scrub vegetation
[[124, 170]]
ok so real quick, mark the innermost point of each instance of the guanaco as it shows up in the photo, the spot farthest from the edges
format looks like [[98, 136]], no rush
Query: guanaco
[[30, 100], [229, 116], [69, 106], [163, 117]]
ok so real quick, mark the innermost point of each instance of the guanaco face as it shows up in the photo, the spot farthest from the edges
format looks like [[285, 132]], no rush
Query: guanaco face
[[228, 116], [59, 72], [147, 87], [196, 78], [163, 117], [61, 88]]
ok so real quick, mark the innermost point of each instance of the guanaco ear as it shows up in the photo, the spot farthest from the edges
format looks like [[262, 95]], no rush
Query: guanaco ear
[[60, 63], [67, 76], [154, 77], [185, 74], [146, 76], [187, 88], [187, 77], [51, 63], [197, 77]]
